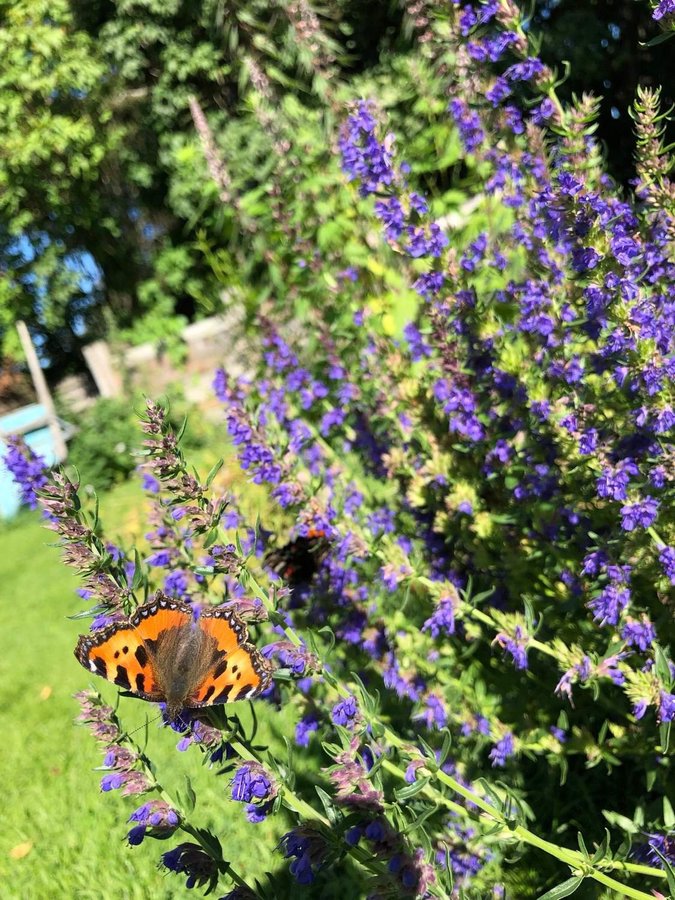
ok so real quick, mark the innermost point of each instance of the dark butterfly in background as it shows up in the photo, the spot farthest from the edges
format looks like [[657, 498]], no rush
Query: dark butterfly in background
[[299, 560]]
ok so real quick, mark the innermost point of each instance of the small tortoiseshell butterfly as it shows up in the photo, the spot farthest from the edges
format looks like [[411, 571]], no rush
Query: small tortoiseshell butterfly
[[297, 561], [169, 652]]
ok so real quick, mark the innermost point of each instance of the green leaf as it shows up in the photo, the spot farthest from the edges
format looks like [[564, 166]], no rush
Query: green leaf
[[620, 821], [190, 796], [429, 752], [139, 575], [181, 430], [445, 748], [668, 815], [670, 872], [659, 39], [565, 889], [421, 819], [368, 701], [329, 634], [214, 471], [603, 850], [327, 804], [412, 789], [331, 750], [662, 666], [94, 515], [280, 674], [211, 537], [290, 754]]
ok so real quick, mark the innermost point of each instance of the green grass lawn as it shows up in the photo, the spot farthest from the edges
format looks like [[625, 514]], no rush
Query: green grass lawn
[[62, 837]]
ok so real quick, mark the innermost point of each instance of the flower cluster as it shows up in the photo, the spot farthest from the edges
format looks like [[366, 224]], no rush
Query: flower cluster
[[27, 468], [255, 787]]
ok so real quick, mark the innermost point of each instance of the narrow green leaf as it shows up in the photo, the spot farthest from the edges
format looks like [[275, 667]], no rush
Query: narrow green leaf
[[181, 430], [211, 537], [329, 634], [327, 804], [214, 471], [190, 796], [137, 580], [94, 515], [412, 789], [428, 751], [331, 749], [366, 698], [603, 850], [662, 666], [659, 39], [622, 822], [670, 872], [445, 748], [421, 819], [668, 815], [664, 735], [565, 889], [282, 675]]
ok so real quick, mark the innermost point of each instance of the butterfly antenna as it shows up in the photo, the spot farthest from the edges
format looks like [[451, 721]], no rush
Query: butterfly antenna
[[145, 725]]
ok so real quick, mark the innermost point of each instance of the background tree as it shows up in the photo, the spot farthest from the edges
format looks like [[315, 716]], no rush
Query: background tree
[[108, 218], [607, 46]]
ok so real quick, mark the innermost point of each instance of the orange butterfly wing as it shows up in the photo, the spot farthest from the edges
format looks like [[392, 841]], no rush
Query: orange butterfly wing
[[131, 654], [120, 654], [239, 671]]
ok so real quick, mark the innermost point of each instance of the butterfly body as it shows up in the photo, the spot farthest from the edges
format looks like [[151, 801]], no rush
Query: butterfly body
[[171, 652]]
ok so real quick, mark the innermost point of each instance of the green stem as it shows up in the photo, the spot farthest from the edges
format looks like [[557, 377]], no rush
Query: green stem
[[480, 616], [308, 813], [574, 859], [224, 865], [652, 532], [571, 857]]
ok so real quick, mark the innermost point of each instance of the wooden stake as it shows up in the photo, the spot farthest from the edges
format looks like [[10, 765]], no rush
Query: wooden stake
[[42, 390]]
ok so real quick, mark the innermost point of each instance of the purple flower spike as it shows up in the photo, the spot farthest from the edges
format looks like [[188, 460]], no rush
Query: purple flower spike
[[502, 750], [27, 469]]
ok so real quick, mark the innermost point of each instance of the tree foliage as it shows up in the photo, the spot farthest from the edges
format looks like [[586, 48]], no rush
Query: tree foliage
[[108, 219]]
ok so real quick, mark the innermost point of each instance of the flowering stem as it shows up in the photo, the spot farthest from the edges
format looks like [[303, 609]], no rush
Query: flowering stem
[[308, 813], [571, 857], [225, 867], [269, 606], [480, 616], [290, 798], [652, 532]]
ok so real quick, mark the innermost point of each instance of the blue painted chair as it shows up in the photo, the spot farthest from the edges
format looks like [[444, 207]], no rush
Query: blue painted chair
[[31, 422]]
